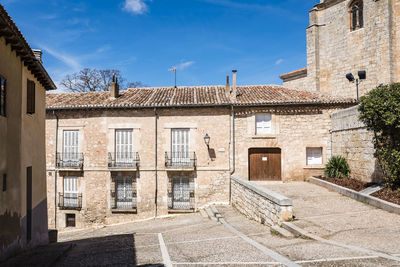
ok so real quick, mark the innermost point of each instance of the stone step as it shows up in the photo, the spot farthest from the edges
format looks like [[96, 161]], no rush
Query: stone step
[[282, 231], [203, 213], [211, 215]]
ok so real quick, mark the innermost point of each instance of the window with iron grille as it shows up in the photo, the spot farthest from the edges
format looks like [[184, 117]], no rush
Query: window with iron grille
[[356, 10], [263, 124], [123, 193], [3, 97], [30, 97]]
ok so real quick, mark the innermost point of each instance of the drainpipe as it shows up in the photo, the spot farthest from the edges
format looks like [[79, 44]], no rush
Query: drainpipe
[[232, 167], [155, 159], [55, 173]]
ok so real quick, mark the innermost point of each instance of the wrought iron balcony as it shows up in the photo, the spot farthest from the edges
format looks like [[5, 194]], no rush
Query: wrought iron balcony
[[124, 204], [69, 161], [123, 160], [70, 201], [180, 160]]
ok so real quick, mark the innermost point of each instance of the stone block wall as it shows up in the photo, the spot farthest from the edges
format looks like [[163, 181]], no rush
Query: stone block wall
[[259, 204], [352, 140]]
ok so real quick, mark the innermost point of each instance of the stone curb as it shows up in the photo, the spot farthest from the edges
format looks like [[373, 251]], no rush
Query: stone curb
[[373, 201], [268, 194]]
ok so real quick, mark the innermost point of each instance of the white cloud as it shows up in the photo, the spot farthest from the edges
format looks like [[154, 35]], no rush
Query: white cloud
[[68, 60], [185, 65], [279, 61], [136, 6]]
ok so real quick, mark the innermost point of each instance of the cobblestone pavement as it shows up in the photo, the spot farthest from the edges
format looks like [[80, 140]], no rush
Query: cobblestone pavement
[[192, 240]]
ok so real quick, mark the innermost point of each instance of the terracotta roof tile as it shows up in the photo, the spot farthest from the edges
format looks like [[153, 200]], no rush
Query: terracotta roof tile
[[191, 96]]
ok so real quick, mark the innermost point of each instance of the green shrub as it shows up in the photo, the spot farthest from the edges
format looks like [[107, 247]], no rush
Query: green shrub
[[380, 112], [337, 167]]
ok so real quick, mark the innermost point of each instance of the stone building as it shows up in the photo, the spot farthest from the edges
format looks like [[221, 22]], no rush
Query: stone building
[[348, 36], [135, 154], [23, 85]]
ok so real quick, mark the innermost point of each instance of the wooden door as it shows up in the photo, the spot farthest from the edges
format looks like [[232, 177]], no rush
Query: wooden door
[[265, 164]]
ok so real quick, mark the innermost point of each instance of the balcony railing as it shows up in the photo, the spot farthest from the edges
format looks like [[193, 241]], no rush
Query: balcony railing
[[180, 160], [123, 160], [72, 201], [69, 160], [124, 204]]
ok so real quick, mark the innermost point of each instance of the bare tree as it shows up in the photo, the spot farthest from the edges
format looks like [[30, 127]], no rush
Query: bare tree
[[91, 80], [136, 85]]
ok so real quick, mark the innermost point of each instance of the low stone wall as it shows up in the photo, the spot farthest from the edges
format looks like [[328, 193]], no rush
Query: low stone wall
[[352, 140], [260, 204]]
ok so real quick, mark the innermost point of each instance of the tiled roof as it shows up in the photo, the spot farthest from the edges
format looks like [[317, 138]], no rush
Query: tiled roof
[[190, 96], [14, 37]]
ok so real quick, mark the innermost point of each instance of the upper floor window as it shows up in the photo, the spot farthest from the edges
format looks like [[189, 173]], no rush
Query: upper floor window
[[356, 15], [123, 147], [3, 100], [180, 145], [263, 124], [30, 97], [70, 147]]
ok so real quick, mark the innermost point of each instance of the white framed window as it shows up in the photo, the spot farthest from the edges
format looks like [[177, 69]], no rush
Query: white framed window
[[71, 191], [263, 124], [314, 155], [71, 146], [123, 146], [180, 145]]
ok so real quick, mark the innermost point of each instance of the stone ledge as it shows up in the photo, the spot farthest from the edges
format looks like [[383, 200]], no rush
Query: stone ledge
[[268, 194], [373, 201]]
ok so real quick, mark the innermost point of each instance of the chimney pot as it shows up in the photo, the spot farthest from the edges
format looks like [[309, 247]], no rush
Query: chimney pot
[[38, 54], [234, 91], [227, 87], [114, 90]]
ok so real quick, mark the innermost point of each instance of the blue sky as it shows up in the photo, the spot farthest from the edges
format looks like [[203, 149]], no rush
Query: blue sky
[[204, 39]]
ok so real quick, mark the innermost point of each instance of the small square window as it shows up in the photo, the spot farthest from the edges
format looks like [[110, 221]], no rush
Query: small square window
[[314, 156], [263, 124], [70, 220]]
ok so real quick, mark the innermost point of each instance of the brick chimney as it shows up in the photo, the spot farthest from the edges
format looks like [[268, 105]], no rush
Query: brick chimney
[[38, 54], [227, 87], [114, 90], [234, 91]]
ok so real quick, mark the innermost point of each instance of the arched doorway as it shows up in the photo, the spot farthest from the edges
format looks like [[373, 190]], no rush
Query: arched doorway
[[265, 164]]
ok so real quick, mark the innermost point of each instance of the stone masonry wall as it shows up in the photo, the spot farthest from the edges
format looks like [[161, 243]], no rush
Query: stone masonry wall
[[260, 204], [353, 141]]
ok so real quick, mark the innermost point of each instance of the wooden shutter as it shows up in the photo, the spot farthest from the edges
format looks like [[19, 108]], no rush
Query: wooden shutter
[[30, 97], [70, 149], [180, 143], [71, 191], [263, 123], [123, 145]]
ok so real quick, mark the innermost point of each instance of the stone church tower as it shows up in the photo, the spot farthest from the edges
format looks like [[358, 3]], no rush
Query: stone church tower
[[346, 36]]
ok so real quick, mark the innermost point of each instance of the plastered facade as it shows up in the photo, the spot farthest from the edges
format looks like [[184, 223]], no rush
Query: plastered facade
[[22, 144]]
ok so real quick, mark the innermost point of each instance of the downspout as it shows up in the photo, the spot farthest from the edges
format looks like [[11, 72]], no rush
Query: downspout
[[55, 173], [232, 167], [155, 159]]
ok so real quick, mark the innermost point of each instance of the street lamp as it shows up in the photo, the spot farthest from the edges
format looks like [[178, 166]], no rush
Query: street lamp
[[207, 140], [362, 75]]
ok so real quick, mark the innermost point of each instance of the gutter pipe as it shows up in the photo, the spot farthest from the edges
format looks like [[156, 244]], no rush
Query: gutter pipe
[[233, 166], [155, 159]]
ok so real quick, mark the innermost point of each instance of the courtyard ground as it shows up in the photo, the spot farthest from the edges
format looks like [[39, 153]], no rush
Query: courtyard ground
[[194, 240]]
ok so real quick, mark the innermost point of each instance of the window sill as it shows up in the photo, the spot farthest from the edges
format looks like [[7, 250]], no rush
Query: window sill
[[265, 136], [314, 167]]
